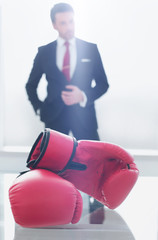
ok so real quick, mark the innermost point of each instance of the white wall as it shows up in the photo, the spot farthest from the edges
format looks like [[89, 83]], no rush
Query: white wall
[[126, 34]]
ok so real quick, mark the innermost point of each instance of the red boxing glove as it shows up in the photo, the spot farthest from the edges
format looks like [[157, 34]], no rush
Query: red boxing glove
[[40, 198], [102, 170]]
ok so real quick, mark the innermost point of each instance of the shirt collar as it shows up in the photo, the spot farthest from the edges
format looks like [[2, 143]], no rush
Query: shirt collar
[[61, 41]]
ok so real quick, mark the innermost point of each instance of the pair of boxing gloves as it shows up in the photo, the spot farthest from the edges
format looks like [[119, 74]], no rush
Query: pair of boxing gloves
[[60, 166]]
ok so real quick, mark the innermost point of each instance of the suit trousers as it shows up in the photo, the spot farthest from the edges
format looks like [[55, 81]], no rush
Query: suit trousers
[[67, 122]]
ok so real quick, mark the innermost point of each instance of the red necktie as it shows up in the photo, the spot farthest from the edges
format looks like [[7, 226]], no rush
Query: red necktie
[[66, 62]]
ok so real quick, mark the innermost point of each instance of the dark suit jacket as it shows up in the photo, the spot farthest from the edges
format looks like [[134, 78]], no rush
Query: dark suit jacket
[[88, 67]]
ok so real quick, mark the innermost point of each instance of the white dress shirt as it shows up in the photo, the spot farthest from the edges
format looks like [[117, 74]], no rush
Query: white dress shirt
[[61, 48]]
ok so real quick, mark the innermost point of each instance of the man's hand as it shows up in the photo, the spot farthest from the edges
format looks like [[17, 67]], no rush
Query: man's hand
[[72, 97]]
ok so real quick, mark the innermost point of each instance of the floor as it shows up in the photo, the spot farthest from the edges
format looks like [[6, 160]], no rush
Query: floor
[[135, 219]]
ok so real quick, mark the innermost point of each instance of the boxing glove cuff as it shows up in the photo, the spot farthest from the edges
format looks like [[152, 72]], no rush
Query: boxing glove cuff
[[56, 146]]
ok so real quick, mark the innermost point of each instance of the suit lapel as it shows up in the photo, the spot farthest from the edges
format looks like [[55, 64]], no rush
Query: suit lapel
[[55, 70], [78, 61], [53, 56]]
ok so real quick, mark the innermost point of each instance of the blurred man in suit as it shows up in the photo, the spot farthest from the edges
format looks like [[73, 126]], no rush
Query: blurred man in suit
[[76, 78]]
